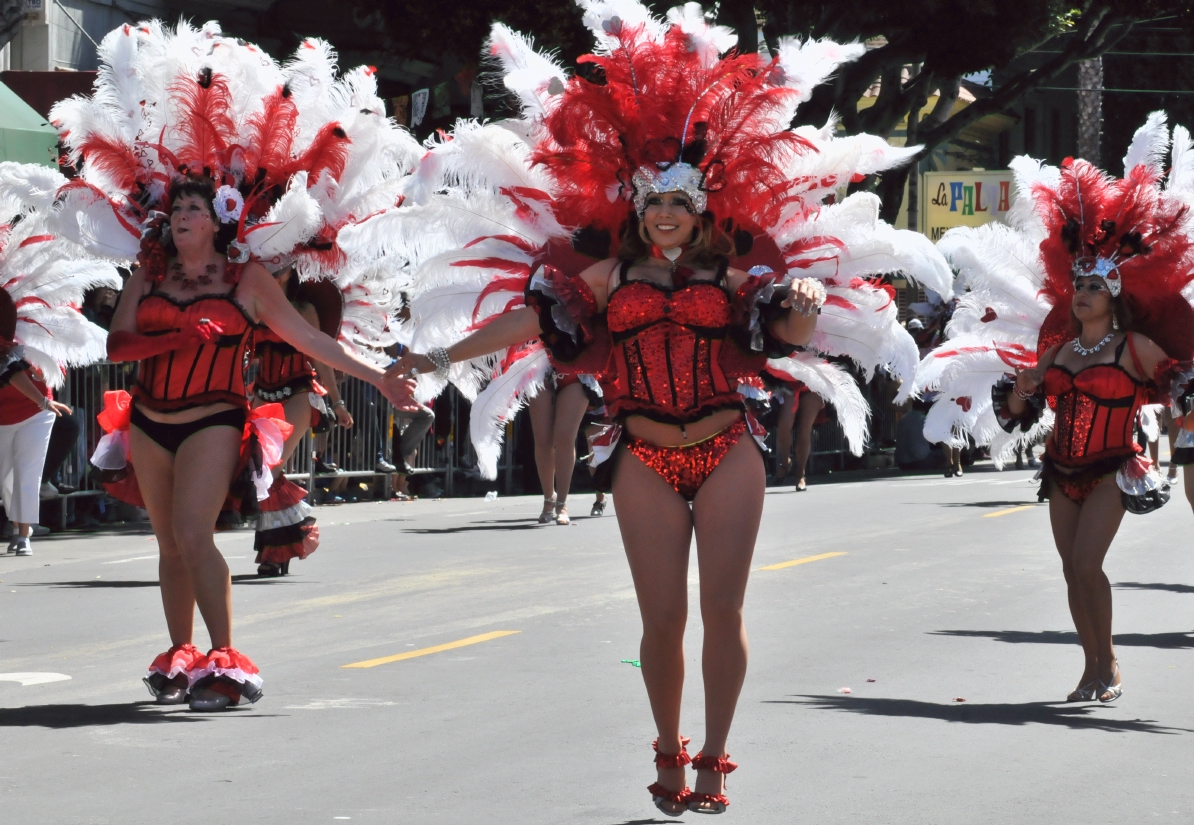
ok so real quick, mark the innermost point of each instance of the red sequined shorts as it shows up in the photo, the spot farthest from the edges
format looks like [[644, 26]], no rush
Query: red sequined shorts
[[1078, 484], [687, 466]]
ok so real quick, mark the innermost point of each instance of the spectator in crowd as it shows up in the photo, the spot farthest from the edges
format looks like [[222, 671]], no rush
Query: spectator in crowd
[[62, 439], [27, 413], [556, 415]]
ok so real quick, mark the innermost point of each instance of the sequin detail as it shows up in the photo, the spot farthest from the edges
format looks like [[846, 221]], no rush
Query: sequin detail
[[686, 468], [1096, 411], [666, 346]]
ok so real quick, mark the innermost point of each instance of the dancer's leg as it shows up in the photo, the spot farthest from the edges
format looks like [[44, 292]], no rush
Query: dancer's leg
[[656, 527], [810, 407], [1098, 523], [155, 477], [542, 409], [783, 436], [571, 404], [726, 515], [203, 469]]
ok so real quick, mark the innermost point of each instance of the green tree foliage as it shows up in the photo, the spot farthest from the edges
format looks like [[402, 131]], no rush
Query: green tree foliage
[[924, 46]]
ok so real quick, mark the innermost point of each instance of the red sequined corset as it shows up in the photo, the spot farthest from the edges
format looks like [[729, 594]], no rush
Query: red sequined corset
[[197, 373], [279, 365], [1096, 411], [666, 350]]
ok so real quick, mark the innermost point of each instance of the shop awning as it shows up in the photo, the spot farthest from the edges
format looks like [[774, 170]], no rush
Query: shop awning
[[25, 136]]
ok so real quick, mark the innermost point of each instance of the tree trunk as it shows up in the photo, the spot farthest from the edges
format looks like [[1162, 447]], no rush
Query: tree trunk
[[1090, 110], [12, 12]]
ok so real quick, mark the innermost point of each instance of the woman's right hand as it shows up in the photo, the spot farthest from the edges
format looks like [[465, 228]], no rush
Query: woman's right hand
[[1028, 380], [58, 409], [205, 331], [408, 363]]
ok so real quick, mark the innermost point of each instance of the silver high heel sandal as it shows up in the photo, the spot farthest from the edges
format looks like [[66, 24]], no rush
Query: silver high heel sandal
[[548, 514], [1084, 693], [1113, 691], [562, 513]]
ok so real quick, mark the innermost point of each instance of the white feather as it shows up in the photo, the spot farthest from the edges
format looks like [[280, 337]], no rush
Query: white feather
[[837, 388], [504, 396], [1149, 145]]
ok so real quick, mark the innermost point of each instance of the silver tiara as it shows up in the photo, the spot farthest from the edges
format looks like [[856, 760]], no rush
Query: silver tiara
[[678, 177], [1100, 267]]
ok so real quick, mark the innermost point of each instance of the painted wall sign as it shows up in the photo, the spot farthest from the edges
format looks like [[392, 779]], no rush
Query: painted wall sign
[[950, 199]]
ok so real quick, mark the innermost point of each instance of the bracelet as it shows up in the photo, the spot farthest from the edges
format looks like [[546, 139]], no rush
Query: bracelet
[[339, 403], [46, 404], [1023, 396], [439, 357]]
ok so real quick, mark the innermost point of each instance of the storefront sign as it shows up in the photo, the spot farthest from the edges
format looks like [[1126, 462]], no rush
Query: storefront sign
[[950, 199]]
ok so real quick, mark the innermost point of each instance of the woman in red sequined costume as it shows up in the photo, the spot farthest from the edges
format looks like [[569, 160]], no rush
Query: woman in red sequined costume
[[1113, 257], [285, 527], [188, 318], [671, 329], [801, 409], [556, 415]]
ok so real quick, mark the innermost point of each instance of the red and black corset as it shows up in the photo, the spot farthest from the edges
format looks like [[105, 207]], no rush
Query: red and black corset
[[672, 355], [196, 373], [279, 366], [1095, 412]]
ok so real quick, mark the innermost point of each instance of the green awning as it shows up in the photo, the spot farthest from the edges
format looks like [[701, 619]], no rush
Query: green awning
[[25, 136]]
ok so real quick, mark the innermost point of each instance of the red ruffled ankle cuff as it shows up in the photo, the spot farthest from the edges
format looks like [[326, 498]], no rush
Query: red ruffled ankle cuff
[[176, 660], [720, 764], [657, 791], [227, 665], [672, 760]]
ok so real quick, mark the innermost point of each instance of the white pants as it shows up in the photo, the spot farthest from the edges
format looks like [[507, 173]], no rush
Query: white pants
[[22, 457]]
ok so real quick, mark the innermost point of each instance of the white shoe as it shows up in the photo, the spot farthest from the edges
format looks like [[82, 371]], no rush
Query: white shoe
[[21, 546], [47, 490], [39, 530]]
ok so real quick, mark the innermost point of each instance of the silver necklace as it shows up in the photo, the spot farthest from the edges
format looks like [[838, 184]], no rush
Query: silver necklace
[[1084, 351]]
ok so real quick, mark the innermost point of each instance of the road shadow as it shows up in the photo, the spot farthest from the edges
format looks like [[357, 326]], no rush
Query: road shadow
[[1165, 641], [1172, 588], [253, 578], [987, 504], [650, 821], [1078, 717], [61, 717], [480, 526], [92, 584]]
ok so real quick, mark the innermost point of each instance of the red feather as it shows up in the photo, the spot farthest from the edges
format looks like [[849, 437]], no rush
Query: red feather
[[112, 158], [202, 121], [328, 153], [270, 138]]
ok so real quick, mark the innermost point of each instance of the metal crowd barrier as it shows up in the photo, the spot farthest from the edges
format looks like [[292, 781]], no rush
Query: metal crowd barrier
[[445, 451]]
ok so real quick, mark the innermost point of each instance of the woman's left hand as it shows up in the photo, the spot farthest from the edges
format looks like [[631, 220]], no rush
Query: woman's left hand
[[58, 409], [399, 391], [343, 416], [805, 296]]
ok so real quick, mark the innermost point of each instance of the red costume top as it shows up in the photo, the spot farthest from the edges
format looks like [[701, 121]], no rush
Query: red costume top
[[282, 370], [1096, 410], [196, 373], [672, 355]]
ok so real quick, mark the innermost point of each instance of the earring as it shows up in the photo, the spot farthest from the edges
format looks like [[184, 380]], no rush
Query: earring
[[1114, 323]]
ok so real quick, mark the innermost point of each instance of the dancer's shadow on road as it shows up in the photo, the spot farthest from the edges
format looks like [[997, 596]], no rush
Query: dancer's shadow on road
[[478, 526], [1165, 641], [1172, 588], [120, 584], [1079, 717], [60, 717], [986, 504]]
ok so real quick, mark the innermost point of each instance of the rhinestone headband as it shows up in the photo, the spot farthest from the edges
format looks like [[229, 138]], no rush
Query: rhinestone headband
[[679, 177], [1100, 267]]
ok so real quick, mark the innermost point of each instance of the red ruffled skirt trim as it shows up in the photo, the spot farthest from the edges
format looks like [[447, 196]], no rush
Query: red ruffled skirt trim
[[227, 670]]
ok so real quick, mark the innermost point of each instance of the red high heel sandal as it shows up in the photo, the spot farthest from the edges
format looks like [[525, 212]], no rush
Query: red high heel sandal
[[660, 794], [717, 802]]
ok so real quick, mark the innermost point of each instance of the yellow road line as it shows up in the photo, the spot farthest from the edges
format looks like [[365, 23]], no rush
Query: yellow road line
[[804, 560], [410, 654], [1008, 511]]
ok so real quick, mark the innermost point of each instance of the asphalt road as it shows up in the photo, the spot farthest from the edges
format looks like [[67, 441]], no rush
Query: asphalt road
[[940, 590]]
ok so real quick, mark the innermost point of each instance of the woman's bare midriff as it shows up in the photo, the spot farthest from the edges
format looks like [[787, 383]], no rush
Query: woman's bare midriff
[[670, 435], [185, 416]]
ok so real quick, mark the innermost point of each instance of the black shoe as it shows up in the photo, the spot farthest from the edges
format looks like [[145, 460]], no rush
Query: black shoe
[[327, 467]]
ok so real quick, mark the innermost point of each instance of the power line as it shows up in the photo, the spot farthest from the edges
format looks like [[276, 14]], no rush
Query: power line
[[1117, 91]]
